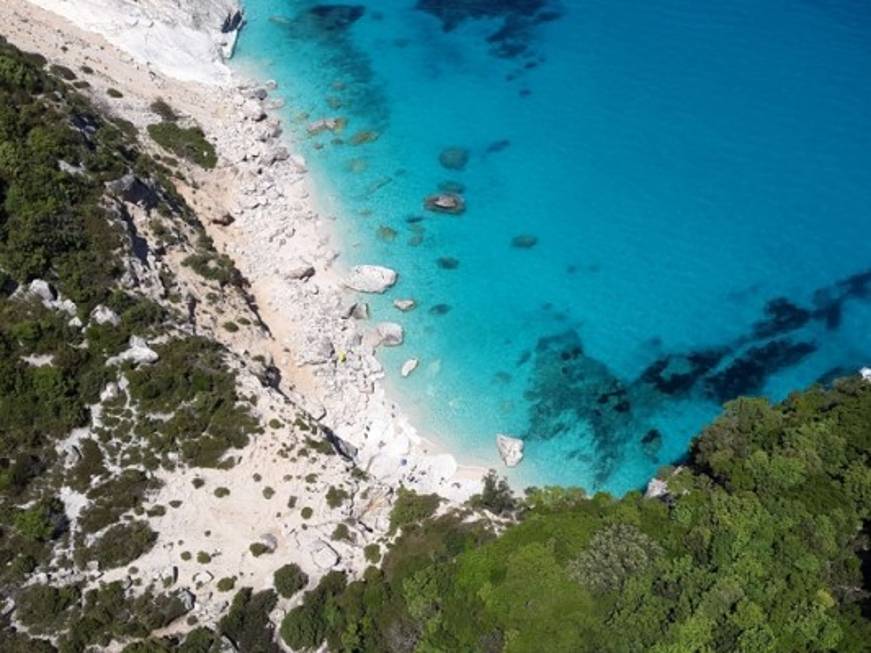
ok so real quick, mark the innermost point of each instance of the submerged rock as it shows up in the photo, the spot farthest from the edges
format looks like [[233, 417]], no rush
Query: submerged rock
[[326, 124], [451, 186], [510, 449], [445, 203], [371, 278], [448, 263], [385, 233], [454, 158], [524, 241], [365, 136]]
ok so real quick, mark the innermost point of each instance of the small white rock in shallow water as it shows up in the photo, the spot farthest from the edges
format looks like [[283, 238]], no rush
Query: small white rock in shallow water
[[409, 366], [390, 334], [404, 304], [510, 449], [371, 278]]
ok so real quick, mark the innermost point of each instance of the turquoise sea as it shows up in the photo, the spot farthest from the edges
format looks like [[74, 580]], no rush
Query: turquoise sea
[[668, 204]]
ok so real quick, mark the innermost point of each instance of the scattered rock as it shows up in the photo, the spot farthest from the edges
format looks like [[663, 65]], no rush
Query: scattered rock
[[409, 366], [445, 203], [510, 449], [135, 191], [224, 220], [138, 352], [104, 315], [326, 124], [371, 278], [454, 158], [390, 334], [358, 311], [362, 137], [187, 598], [268, 540], [300, 272], [656, 488], [324, 556], [448, 263], [404, 305], [253, 110], [524, 241], [385, 233]]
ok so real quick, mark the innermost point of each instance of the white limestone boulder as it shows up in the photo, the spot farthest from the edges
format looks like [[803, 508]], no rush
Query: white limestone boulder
[[371, 278]]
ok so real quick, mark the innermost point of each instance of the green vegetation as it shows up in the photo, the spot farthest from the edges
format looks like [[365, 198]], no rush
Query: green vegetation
[[289, 580], [336, 497], [189, 143], [226, 584], [258, 549], [754, 549], [411, 508]]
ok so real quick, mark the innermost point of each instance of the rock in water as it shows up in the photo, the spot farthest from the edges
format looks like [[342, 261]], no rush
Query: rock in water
[[390, 334], [524, 241], [510, 449], [371, 278], [445, 203], [865, 372], [404, 305], [408, 367], [454, 158]]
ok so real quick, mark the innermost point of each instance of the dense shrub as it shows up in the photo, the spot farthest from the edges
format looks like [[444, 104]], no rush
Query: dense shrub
[[289, 580], [189, 143], [247, 623], [754, 549], [411, 507], [122, 544]]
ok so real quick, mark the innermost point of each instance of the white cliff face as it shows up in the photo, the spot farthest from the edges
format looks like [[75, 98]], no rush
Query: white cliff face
[[180, 38]]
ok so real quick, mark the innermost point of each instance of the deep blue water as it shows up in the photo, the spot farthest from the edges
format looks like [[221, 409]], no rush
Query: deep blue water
[[697, 176]]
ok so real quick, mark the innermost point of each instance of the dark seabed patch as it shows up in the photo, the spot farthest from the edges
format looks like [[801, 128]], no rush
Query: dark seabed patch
[[516, 31], [573, 395]]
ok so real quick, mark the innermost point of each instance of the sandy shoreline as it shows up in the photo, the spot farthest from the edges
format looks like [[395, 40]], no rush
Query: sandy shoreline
[[327, 359]]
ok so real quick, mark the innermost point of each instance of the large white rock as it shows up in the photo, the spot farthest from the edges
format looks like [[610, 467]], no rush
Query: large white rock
[[371, 278], [866, 373], [324, 556], [137, 352], [510, 449], [390, 334]]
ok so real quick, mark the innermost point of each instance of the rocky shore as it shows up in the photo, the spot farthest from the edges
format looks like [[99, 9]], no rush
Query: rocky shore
[[265, 216]]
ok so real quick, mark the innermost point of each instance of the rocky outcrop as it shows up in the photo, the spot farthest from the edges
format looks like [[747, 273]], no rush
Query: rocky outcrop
[[138, 352], [371, 278], [655, 489], [510, 449]]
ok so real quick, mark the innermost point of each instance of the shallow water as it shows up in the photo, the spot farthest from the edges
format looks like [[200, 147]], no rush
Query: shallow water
[[691, 181]]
